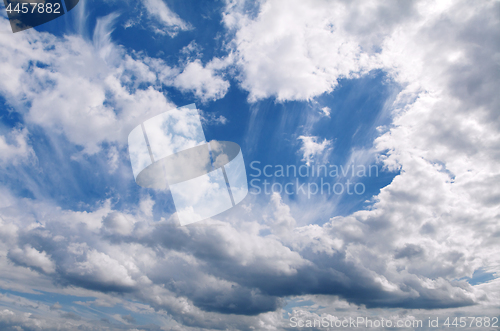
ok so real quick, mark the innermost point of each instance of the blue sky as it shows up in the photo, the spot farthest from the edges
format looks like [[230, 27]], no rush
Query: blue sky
[[408, 89]]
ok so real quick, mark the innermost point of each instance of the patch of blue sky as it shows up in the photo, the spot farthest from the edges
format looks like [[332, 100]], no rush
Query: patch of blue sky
[[267, 130], [82, 306], [358, 107], [141, 36], [76, 184], [9, 118], [48, 298], [481, 276], [204, 18], [297, 302], [233, 107]]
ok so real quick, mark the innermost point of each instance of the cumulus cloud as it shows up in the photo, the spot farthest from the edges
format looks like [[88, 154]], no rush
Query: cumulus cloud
[[102, 271], [30, 257], [294, 50], [202, 81], [445, 120], [201, 273], [68, 86], [118, 223], [90, 90]]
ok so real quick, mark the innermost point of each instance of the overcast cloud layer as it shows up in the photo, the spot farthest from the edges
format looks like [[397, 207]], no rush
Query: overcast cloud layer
[[412, 250]]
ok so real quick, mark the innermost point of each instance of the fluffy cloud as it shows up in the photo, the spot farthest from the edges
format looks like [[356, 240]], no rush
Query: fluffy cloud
[[64, 85], [30, 257], [445, 132], [311, 148], [90, 90], [294, 50], [202, 81], [326, 111], [200, 273]]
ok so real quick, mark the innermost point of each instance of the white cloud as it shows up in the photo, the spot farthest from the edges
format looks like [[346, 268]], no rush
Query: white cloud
[[32, 258], [89, 90], [103, 270], [113, 159], [294, 50], [14, 147], [213, 119], [202, 81], [118, 223], [170, 21], [143, 262], [191, 50], [326, 111], [311, 148], [72, 93], [445, 133]]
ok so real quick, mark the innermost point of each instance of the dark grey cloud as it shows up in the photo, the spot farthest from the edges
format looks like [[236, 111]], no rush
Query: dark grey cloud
[[409, 251], [221, 280]]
